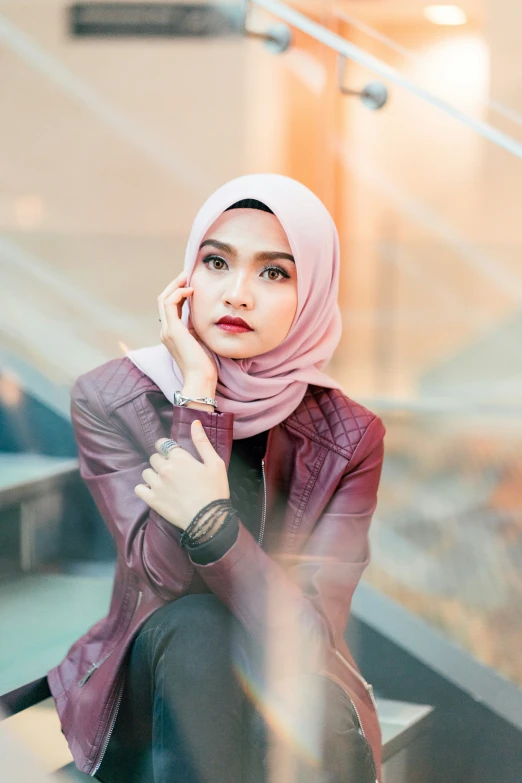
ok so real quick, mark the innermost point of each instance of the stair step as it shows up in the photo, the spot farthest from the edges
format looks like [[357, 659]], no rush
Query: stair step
[[22, 476]]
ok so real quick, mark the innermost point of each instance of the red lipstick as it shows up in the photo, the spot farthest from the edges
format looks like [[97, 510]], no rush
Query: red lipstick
[[233, 325]]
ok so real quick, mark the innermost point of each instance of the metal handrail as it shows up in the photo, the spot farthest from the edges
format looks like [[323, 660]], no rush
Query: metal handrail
[[354, 53], [441, 405], [367, 29]]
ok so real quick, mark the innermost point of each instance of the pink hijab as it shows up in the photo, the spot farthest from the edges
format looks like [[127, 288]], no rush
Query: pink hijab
[[263, 390]]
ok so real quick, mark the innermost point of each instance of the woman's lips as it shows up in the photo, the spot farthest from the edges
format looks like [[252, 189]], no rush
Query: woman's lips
[[234, 328]]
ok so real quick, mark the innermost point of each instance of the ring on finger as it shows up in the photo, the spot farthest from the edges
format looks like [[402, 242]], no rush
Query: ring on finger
[[168, 445]]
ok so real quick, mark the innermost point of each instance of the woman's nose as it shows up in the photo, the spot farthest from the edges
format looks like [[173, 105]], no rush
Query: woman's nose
[[239, 293]]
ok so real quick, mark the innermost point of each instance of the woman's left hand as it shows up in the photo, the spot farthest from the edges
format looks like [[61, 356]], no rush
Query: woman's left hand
[[178, 486]]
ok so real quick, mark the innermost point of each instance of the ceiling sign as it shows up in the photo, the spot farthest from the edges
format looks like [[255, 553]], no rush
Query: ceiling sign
[[155, 19]]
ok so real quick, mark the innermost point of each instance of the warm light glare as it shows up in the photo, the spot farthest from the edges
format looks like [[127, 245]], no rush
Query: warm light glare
[[10, 389], [28, 211], [123, 348], [445, 14]]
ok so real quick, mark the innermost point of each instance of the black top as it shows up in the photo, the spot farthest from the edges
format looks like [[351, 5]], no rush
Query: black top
[[245, 479]]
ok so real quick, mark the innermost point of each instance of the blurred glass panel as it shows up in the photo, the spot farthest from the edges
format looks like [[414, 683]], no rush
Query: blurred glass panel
[[447, 535], [432, 312]]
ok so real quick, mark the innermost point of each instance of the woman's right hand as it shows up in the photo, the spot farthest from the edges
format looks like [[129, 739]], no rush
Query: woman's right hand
[[192, 357]]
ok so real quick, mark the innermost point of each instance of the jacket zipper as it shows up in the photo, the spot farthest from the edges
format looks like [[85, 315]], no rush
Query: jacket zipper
[[107, 738], [361, 729], [333, 679], [120, 692], [367, 686], [262, 529], [92, 668]]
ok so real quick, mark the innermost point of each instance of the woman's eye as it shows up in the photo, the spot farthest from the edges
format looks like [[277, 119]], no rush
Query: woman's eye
[[220, 260], [279, 273]]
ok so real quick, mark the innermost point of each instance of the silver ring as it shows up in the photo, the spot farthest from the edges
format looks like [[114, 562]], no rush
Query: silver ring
[[168, 446]]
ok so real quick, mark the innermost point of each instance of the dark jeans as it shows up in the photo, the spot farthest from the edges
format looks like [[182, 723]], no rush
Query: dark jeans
[[187, 713]]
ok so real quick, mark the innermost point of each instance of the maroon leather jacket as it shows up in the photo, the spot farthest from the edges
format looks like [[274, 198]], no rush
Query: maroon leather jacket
[[321, 475]]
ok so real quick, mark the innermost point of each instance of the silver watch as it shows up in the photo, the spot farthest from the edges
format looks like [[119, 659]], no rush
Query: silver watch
[[179, 399]]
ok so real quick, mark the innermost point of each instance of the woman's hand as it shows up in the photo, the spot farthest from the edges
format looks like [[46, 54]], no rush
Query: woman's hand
[[178, 485], [192, 357]]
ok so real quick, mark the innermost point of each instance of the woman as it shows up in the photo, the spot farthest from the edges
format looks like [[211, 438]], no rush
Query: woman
[[242, 536]]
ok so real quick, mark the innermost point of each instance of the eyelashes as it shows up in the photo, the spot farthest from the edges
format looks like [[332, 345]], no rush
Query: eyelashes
[[274, 267]]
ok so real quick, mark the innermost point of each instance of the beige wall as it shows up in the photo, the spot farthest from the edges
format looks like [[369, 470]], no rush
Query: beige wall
[[112, 136], [107, 150], [501, 175]]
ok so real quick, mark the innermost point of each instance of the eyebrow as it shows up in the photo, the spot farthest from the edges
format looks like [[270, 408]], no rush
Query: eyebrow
[[263, 255]]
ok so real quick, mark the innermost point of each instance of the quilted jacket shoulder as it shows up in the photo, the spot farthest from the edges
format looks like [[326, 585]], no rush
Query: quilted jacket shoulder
[[116, 382], [330, 417]]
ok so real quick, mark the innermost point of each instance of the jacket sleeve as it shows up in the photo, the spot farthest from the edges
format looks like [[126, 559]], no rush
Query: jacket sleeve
[[299, 603], [111, 465]]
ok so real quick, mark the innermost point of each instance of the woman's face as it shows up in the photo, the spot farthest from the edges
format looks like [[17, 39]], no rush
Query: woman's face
[[244, 269]]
